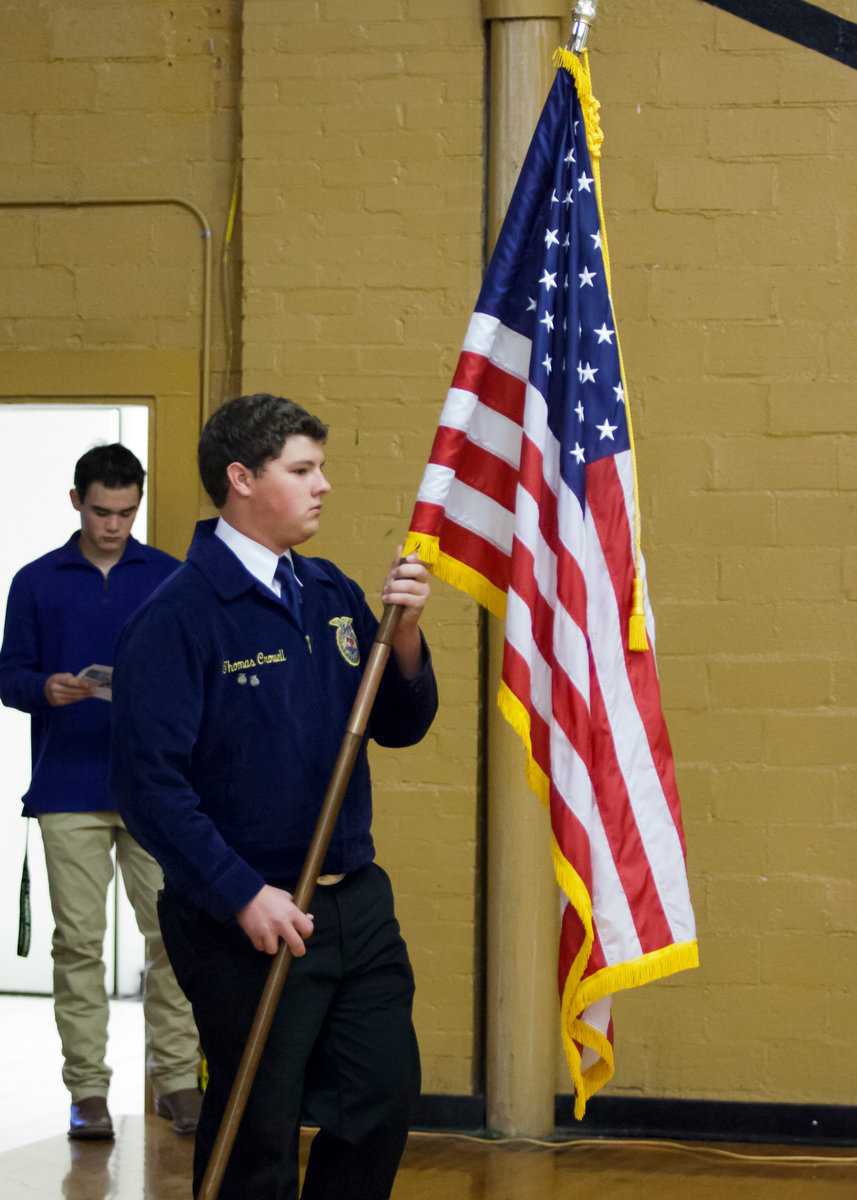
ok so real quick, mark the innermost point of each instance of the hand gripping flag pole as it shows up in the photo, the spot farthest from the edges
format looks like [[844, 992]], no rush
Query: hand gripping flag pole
[[343, 767]]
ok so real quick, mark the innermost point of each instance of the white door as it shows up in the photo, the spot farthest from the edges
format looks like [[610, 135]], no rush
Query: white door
[[39, 445]]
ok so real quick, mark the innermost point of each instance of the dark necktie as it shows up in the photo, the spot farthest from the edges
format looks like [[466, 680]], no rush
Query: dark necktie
[[290, 591]]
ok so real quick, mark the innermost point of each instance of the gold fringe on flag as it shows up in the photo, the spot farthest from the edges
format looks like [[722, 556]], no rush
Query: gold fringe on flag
[[450, 570], [578, 993]]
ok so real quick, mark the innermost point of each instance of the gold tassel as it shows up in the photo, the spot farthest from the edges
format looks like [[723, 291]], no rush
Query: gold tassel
[[637, 639]]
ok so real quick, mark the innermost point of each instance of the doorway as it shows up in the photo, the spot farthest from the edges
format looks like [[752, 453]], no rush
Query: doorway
[[41, 442]]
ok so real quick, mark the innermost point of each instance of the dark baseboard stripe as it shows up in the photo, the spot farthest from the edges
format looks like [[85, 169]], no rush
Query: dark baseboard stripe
[[463, 1114], [801, 22], [712, 1120], [682, 1120]]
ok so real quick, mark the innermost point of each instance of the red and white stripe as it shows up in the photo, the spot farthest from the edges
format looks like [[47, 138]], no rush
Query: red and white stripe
[[494, 497]]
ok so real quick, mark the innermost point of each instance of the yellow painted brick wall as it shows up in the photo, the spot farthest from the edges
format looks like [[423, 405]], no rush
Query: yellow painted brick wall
[[115, 100], [362, 226], [728, 176], [729, 182], [729, 189]]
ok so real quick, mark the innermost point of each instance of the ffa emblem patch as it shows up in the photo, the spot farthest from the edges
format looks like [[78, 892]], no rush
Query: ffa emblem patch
[[346, 641]]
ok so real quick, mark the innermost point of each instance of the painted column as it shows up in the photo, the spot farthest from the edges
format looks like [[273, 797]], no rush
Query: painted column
[[522, 1006]]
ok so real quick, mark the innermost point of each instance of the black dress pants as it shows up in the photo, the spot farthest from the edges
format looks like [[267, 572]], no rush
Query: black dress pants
[[342, 1052]]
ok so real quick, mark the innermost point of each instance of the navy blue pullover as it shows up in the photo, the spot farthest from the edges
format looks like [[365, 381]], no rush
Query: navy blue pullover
[[228, 718], [63, 615]]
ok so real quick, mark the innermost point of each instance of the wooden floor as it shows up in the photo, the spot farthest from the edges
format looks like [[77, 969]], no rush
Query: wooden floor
[[148, 1161]]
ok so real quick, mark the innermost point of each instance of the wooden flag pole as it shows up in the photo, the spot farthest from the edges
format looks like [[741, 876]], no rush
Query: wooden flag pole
[[303, 894]]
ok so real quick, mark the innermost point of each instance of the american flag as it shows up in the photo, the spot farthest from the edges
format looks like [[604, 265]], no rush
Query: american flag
[[528, 504]]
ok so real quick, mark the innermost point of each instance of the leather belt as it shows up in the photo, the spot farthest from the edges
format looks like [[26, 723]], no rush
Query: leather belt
[[329, 880]]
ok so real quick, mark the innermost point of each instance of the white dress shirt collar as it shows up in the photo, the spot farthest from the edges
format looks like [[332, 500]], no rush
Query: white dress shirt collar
[[258, 559]]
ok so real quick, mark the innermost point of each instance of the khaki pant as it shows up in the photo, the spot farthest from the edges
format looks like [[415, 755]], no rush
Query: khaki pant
[[77, 853]]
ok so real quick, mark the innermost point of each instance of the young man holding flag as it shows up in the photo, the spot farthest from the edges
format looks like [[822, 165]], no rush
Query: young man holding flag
[[234, 689]]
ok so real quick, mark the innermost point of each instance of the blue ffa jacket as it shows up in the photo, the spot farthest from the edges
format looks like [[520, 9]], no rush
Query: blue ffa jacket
[[63, 615], [228, 718]]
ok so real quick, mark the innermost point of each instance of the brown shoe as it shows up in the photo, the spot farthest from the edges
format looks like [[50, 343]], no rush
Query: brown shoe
[[90, 1119], [182, 1108]]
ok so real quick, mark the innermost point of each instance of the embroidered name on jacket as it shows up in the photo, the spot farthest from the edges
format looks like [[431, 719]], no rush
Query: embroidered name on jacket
[[346, 640], [245, 664]]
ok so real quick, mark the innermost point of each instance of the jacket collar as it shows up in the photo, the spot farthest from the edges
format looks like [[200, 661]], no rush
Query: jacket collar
[[228, 575]]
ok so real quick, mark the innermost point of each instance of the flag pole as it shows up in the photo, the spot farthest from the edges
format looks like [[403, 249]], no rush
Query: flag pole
[[258, 1035], [583, 15], [520, 1005]]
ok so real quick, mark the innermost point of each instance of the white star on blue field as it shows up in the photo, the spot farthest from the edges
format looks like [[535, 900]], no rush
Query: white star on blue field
[[547, 281]]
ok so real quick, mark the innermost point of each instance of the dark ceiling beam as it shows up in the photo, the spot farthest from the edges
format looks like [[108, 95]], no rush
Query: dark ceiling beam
[[807, 24]]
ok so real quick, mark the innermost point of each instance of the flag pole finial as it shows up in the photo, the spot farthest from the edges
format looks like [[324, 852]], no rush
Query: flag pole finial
[[583, 15]]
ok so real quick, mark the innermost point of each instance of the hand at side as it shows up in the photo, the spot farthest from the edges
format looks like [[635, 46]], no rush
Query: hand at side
[[271, 916]]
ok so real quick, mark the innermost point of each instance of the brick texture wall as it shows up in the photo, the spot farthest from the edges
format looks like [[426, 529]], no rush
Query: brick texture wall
[[362, 226], [113, 101], [729, 179], [729, 182]]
